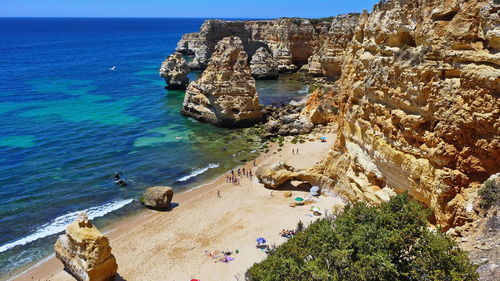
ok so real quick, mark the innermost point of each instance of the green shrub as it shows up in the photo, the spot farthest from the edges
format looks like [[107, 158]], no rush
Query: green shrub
[[489, 194], [294, 140], [386, 242]]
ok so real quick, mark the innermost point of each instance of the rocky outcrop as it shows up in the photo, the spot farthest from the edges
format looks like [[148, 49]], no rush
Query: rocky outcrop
[[158, 197], [263, 65], [175, 70], [290, 40], [225, 94], [321, 106], [419, 104], [327, 60], [273, 176], [85, 252]]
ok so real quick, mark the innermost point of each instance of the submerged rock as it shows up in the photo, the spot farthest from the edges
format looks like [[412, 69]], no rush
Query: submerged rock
[[225, 94], [175, 70], [263, 65], [158, 197], [85, 251]]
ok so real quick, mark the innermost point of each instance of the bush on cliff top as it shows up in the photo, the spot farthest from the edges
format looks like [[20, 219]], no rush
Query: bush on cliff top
[[386, 242]]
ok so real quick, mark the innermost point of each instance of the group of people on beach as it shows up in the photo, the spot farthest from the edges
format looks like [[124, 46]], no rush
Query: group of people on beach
[[287, 233], [234, 177]]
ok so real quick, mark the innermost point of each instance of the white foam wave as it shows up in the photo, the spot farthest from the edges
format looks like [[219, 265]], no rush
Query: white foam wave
[[59, 224], [304, 90], [198, 172]]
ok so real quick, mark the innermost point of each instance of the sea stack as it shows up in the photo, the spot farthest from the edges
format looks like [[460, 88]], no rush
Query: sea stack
[[85, 252], [175, 70], [263, 65], [225, 94]]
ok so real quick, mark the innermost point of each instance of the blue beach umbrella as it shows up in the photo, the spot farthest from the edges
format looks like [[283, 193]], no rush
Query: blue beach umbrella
[[260, 240], [323, 138]]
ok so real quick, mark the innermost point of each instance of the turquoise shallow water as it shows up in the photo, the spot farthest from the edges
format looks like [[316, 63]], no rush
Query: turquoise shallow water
[[68, 123]]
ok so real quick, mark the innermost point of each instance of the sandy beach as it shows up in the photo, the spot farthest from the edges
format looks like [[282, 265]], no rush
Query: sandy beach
[[175, 245]]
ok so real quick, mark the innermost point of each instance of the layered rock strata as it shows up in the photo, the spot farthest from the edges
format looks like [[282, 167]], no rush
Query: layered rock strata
[[175, 71], [85, 252], [263, 65], [419, 104], [327, 60], [290, 41], [225, 94]]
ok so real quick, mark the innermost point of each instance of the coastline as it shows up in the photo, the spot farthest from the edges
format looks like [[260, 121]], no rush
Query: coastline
[[238, 216]]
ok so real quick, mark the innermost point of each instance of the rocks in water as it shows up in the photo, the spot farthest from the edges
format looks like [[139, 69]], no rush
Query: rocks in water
[[286, 120], [263, 65], [289, 125], [225, 94], [85, 251], [158, 197], [291, 40], [175, 70]]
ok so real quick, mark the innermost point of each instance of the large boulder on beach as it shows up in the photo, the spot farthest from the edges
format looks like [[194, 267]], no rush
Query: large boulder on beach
[[175, 71], [225, 94], [275, 174], [85, 251], [263, 65], [158, 197]]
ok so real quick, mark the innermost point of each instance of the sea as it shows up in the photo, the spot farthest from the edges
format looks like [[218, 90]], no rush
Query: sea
[[81, 99]]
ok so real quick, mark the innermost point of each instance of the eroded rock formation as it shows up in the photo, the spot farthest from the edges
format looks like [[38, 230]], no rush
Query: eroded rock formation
[[175, 70], [85, 252], [327, 60], [419, 104], [291, 41], [225, 94], [276, 174], [158, 197], [263, 65]]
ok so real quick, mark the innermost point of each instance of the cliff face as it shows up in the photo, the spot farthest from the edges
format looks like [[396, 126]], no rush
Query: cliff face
[[419, 105], [327, 60], [225, 94], [291, 41]]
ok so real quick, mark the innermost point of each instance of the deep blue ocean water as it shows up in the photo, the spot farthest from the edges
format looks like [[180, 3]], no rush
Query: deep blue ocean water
[[68, 122]]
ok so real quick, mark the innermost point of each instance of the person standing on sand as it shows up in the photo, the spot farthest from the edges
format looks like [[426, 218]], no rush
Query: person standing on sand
[[297, 151], [254, 164], [218, 194], [293, 151]]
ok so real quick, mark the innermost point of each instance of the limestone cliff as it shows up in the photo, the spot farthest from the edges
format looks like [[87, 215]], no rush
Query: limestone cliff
[[225, 94], [419, 104], [327, 60], [291, 41]]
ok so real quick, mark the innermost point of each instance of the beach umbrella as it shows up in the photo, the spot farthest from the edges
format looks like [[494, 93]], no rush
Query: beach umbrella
[[323, 138], [260, 240], [315, 209], [314, 190], [299, 199]]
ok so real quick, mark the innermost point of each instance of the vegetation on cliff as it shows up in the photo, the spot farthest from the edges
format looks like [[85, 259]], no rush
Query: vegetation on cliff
[[390, 241]]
